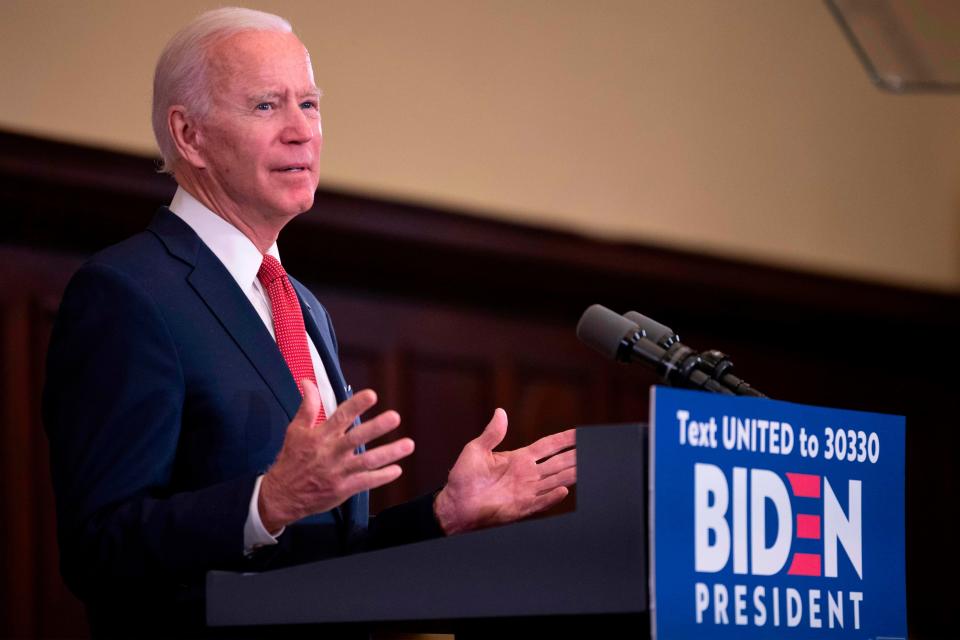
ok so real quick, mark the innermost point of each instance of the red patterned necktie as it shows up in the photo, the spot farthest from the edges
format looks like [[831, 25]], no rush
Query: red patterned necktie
[[288, 323]]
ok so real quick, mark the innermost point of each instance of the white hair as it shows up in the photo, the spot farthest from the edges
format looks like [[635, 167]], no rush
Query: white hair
[[180, 76]]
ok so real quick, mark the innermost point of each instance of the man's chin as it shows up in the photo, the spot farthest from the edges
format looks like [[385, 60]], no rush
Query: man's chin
[[305, 204], [299, 202]]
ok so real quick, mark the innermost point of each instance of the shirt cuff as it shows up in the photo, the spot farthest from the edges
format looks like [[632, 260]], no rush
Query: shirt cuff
[[255, 535]]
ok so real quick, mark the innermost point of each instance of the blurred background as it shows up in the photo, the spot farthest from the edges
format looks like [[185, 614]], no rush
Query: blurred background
[[490, 168]]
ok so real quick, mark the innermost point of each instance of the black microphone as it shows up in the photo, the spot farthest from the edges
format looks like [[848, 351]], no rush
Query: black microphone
[[714, 363], [610, 333], [621, 339], [659, 333]]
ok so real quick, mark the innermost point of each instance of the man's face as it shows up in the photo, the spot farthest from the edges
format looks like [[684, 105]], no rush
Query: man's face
[[261, 139]]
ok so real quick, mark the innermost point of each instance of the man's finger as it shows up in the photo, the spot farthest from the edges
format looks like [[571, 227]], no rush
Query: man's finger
[[372, 479], [558, 463], [548, 499], [565, 478], [377, 457], [495, 431], [348, 410], [372, 429], [309, 406], [549, 445]]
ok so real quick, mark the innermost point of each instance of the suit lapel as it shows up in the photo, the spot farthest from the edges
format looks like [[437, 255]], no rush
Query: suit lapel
[[219, 291], [319, 332], [356, 509], [322, 341]]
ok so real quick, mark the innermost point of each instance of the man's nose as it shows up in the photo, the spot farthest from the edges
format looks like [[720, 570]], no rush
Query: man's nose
[[299, 126]]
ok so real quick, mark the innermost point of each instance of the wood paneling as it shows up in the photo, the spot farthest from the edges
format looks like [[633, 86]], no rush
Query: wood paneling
[[449, 316], [35, 602]]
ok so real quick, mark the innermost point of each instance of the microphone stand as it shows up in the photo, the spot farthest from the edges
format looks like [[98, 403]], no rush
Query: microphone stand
[[718, 366], [678, 365], [681, 366]]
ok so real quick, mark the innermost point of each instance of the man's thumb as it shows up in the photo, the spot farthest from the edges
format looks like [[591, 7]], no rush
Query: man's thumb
[[310, 406], [495, 431]]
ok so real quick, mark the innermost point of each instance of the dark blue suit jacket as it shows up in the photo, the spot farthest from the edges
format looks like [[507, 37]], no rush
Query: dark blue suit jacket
[[165, 398]]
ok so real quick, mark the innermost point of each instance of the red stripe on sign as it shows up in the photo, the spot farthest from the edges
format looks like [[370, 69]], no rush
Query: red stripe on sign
[[805, 564], [808, 526], [804, 485]]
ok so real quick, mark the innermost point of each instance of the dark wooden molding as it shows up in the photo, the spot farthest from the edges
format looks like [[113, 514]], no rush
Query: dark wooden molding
[[77, 199]]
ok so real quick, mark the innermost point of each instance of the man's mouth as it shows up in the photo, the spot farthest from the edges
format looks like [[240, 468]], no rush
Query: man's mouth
[[293, 168]]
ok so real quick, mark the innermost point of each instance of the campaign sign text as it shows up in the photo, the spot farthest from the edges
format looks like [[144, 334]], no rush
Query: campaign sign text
[[775, 520]]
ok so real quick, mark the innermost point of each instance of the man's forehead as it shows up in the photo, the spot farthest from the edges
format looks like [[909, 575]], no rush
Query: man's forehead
[[252, 58]]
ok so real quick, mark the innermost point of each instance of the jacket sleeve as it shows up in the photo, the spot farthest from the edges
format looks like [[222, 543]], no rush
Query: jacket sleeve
[[112, 408], [411, 521]]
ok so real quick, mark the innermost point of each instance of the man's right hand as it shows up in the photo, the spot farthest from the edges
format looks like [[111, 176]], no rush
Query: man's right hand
[[318, 467]]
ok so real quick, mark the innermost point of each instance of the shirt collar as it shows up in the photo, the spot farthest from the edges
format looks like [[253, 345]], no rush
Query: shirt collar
[[235, 250]]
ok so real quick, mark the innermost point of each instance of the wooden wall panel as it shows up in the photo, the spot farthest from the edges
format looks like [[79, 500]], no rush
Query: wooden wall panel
[[19, 540], [444, 401], [34, 602], [560, 399]]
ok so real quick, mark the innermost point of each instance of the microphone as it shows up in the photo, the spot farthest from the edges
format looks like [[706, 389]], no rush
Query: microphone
[[609, 333], [659, 333], [619, 338], [715, 363]]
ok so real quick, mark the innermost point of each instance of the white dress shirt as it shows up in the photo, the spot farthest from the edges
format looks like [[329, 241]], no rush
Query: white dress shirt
[[242, 259]]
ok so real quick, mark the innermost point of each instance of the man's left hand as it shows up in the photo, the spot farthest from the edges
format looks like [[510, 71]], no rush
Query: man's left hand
[[487, 487]]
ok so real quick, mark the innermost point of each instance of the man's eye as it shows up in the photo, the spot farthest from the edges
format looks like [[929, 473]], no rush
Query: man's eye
[[309, 104], [264, 106]]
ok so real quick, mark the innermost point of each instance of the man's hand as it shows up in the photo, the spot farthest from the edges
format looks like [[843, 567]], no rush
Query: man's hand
[[486, 488], [317, 469]]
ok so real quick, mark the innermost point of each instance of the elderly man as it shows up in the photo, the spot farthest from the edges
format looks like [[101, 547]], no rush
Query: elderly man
[[197, 414]]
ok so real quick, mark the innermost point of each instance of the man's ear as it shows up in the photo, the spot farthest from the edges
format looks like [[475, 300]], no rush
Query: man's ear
[[186, 135]]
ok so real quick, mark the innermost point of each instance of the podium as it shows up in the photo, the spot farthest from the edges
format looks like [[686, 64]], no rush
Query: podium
[[770, 519], [585, 569]]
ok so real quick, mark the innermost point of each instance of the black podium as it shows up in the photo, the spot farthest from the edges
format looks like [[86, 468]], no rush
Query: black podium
[[586, 569]]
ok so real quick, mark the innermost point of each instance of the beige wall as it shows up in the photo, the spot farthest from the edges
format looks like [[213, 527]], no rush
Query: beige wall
[[744, 128]]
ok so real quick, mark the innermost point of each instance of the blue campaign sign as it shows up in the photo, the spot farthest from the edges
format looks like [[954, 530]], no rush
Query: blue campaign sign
[[774, 520]]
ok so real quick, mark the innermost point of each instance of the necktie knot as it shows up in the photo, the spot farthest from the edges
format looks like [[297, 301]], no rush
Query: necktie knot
[[270, 271]]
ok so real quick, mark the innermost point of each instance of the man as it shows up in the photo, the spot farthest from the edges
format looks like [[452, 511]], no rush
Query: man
[[197, 414]]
